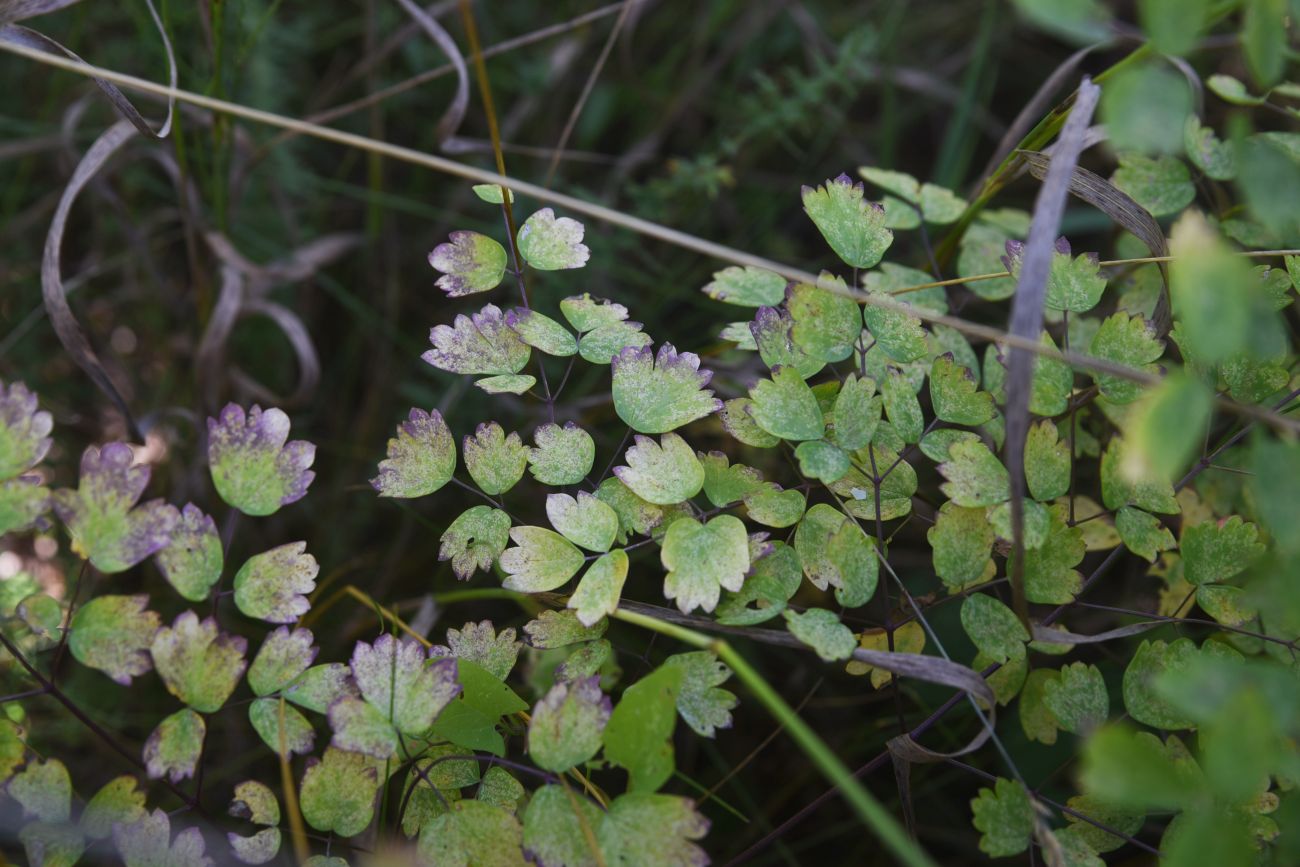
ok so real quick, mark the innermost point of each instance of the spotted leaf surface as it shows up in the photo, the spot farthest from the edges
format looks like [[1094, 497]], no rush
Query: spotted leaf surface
[[474, 540], [853, 227], [254, 466], [562, 455], [481, 344], [664, 472], [469, 263], [542, 333], [585, 520], [337, 792], [567, 724], [282, 656], [192, 560], [199, 664], [24, 430], [174, 748], [702, 704], [397, 679], [550, 243], [822, 631], [273, 585], [114, 634], [657, 393], [148, 842], [600, 587], [747, 287], [785, 407], [540, 561], [101, 515], [702, 559], [421, 458], [495, 461]]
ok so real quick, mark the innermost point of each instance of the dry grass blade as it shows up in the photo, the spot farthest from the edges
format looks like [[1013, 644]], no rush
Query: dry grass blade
[[65, 324], [1027, 316]]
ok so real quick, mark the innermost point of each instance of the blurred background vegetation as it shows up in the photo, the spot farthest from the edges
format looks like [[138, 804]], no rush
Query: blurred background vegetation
[[706, 116]]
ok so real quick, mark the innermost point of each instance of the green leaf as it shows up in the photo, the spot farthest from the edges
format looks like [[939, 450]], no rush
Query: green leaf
[[1119, 489], [1134, 770], [638, 736], [975, 477], [738, 420], [773, 333], [1037, 520], [320, 686], [421, 458], [786, 407], [474, 540], [822, 631], [901, 406], [1128, 340], [1206, 151], [106, 526], [560, 629], [471, 720], [656, 394], [898, 333], [469, 263], [856, 414], [607, 342], [506, 383], [256, 803], [24, 430], [662, 473], [44, 790], [1077, 21], [500, 789], [192, 560], [397, 679], [292, 735], [114, 634], [1166, 428], [542, 332], [495, 461], [491, 193], [1143, 108], [174, 747], [549, 243], [553, 827], [1128, 822], [254, 466], [1143, 534], [635, 515], [993, 628], [895, 489], [337, 793], [600, 587], [773, 507], [1077, 698], [481, 644], [746, 287], [1264, 39], [119, 801], [147, 842], [585, 521], [821, 460], [22, 502], [541, 561], [481, 344], [42, 615], [52, 844], [586, 313], [703, 706], [955, 394], [566, 725], [775, 577], [473, 833], [562, 456], [1218, 551], [652, 829], [726, 484], [198, 664], [1047, 462], [1036, 719], [1152, 661], [981, 253], [854, 228], [1050, 575], [962, 541], [1004, 816], [1173, 25], [702, 558], [1074, 284], [826, 324], [273, 585], [1162, 185], [282, 657]]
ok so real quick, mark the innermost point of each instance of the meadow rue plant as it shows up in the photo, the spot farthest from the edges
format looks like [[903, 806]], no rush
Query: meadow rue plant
[[923, 504]]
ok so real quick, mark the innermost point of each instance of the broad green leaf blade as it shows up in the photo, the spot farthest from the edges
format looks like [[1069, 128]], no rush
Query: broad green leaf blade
[[472, 833], [586, 313], [784, 406], [337, 792], [746, 287], [542, 560], [1005, 817], [993, 628], [562, 455], [962, 541], [553, 827], [662, 473], [147, 842], [106, 526], [1077, 698], [254, 466], [827, 324], [955, 394], [822, 631], [475, 540], [542, 332], [643, 828], [119, 802], [566, 725], [658, 393], [975, 477], [481, 344], [396, 678], [495, 461], [549, 243], [600, 588], [24, 430], [854, 228], [192, 560], [114, 634], [702, 558], [421, 458], [282, 656], [585, 521], [469, 263], [198, 664], [273, 585], [638, 736], [174, 748], [703, 706]]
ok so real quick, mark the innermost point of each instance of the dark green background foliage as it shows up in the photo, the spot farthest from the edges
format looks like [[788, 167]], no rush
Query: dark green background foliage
[[1168, 507]]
